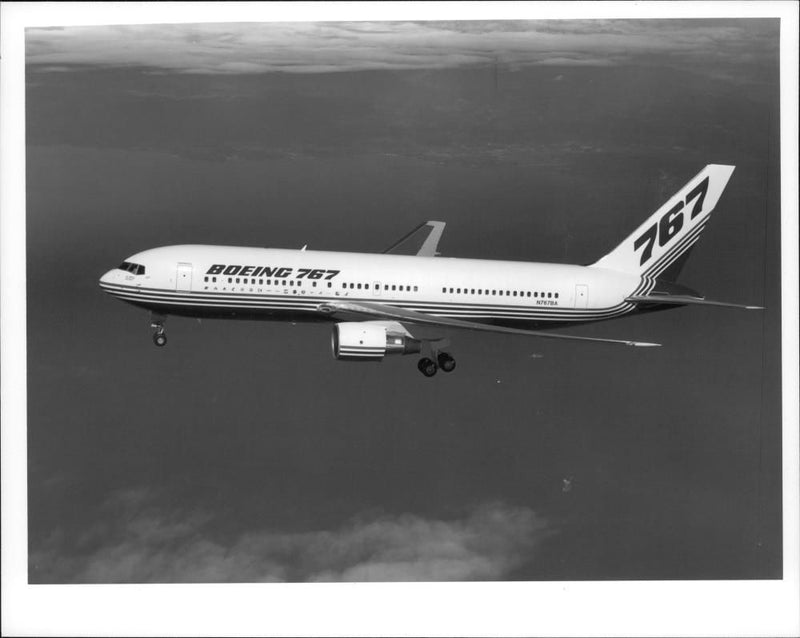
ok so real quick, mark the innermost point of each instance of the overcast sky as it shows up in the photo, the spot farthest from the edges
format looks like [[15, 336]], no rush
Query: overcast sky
[[385, 46], [242, 451]]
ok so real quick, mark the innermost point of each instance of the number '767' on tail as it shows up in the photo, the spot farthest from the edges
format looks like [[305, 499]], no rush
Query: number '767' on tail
[[672, 229]]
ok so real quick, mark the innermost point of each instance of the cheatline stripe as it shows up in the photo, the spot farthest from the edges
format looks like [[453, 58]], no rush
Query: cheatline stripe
[[221, 302], [667, 264], [152, 293], [423, 306], [311, 306], [311, 309], [231, 304], [350, 352], [426, 308], [678, 249]]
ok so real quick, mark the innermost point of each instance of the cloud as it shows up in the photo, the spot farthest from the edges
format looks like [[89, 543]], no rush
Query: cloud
[[240, 48], [142, 544]]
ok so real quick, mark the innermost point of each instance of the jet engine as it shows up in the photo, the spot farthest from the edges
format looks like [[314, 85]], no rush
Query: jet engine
[[371, 340]]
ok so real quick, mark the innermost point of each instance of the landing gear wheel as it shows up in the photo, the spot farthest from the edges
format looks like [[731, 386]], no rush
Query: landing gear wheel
[[160, 339], [427, 367], [446, 362]]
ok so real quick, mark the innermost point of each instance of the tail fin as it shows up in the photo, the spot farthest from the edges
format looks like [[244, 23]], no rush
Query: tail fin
[[660, 245]]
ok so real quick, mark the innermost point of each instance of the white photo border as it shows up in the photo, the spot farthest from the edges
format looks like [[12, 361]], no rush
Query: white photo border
[[649, 608]]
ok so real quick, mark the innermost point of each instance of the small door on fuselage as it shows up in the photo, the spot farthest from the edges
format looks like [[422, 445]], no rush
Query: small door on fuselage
[[183, 277], [581, 295]]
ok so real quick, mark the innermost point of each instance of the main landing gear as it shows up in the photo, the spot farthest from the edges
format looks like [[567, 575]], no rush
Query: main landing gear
[[428, 367], [159, 334]]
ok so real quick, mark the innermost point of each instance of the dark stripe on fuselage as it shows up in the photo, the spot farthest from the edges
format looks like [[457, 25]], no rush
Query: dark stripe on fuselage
[[263, 300], [274, 308]]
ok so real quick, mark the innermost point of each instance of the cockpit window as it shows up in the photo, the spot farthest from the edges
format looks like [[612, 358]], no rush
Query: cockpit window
[[134, 269]]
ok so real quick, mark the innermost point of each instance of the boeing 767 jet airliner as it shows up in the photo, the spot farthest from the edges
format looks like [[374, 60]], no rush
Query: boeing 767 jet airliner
[[381, 303]]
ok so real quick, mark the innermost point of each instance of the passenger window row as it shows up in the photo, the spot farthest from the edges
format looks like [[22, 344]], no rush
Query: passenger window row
[[500, 293], [394, 287], [262, 282]]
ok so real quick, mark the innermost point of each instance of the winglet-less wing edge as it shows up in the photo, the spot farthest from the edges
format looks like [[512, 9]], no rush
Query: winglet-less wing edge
[[422, 241], [372, 310], [681, 300]]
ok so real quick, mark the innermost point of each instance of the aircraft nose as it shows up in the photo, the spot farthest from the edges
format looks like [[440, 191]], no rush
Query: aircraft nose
[[107, 278]]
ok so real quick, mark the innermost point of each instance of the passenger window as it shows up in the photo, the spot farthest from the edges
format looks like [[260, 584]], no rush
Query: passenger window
[[515, 293], [237, 280], [214, 279], [394, 287], [444, 289], [205, 279], [549, 295], [458, 290], [260, 282], [329, 284], [314, 284], [408, 288], [556, 295], [359, 286], [344, 285], [415, 289]]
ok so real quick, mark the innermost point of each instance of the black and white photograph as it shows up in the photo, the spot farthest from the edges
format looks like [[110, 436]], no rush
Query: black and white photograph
[[485, 300]]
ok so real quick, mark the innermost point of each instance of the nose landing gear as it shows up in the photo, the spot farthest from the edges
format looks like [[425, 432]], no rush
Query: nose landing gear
[[159, 334]]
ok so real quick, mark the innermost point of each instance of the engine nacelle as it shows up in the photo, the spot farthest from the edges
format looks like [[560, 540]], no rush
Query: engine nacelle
[[370, 341]]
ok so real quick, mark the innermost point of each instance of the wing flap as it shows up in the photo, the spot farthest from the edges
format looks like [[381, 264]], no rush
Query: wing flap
[[369, 309]]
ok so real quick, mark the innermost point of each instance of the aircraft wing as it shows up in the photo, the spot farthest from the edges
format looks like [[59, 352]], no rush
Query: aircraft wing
[[366, 310], [422, 241], [682, 300]]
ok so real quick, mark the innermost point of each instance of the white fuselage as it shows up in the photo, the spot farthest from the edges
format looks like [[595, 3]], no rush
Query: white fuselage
[[226, 281]]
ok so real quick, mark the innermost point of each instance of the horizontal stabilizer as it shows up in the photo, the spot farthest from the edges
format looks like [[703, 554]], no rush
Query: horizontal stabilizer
[[683, 300], [366, 309], [422, 241]]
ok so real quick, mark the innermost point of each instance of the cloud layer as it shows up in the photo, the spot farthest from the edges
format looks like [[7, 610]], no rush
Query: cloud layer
[[145, 545], [238, 48]]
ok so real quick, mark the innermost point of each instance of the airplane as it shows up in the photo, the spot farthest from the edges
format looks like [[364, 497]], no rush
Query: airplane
[[384, 304]]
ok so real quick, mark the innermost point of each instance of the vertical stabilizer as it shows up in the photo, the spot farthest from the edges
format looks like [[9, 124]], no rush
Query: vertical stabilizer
[[660, 245]]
